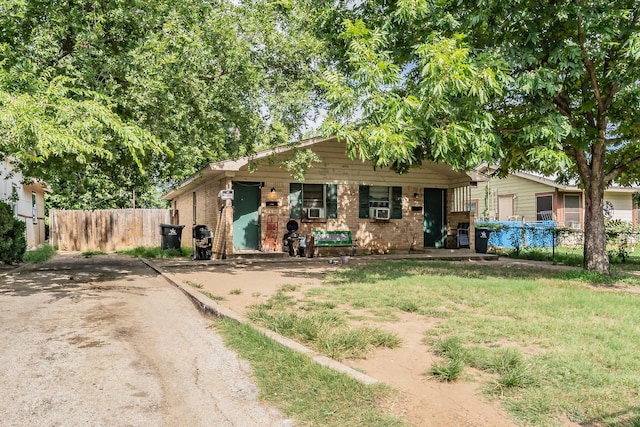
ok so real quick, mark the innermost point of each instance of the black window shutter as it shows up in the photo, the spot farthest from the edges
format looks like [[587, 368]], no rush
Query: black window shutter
[[363, 201], [295, 200], [396, 202], [331, 201]]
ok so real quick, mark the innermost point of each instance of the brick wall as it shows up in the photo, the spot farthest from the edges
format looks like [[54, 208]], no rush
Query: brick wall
[[372, 235]]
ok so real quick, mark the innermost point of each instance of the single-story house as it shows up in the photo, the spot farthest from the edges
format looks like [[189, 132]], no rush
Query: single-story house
[[250, 202], [529, 198], [27, 200]]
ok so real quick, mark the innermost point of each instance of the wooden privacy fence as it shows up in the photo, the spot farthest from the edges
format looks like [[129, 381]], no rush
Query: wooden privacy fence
[[106, 230]]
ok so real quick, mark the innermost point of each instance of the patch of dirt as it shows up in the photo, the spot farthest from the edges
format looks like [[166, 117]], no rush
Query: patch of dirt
[[423, 402]]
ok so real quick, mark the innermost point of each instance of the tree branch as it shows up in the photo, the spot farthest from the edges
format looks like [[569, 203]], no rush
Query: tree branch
[[582, 164], [588, 64], [562, 104], [619, 168]]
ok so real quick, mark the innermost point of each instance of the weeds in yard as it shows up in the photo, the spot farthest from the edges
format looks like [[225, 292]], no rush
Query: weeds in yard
[[311, 394], [235, 291], [325, 330], [449, 370], [193, 284], [39, 254], [553, 345], [212, 296], [319, 305], [454, 359], [410, 306]]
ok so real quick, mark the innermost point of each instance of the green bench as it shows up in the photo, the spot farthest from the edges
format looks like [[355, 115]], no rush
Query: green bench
[[332, 238]]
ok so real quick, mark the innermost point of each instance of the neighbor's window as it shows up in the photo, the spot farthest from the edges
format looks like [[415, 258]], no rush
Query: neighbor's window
[[313, 201], [380, 202], [572, 211], [194, 207], [544, 208], [471, 207], [34, 209], [14, 199]]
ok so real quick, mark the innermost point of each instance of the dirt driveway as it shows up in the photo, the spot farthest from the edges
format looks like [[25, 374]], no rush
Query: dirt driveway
[[106, 341], [424, 403]]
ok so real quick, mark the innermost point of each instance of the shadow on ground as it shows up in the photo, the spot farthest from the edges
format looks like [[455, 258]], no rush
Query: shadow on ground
[[65, 274]]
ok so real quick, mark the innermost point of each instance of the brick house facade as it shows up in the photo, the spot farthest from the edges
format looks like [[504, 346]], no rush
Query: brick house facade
[[384, 211]]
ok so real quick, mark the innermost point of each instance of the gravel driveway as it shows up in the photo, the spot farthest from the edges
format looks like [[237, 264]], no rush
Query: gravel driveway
[[105, 341]]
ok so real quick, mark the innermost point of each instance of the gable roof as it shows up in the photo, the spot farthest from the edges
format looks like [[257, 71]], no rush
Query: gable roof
[[229, 167], [484, 169]]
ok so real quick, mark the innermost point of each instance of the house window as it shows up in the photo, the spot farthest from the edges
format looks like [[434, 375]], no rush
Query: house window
[[472, 207], [195, 206], [572, 211], [313, 201], [14, 199], [380, 202], [34, 209], [544, 208]]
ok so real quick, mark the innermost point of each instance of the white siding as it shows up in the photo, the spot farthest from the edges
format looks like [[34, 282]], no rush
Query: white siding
[[622, 205], [35, 232], [336, 168], [521, 190]]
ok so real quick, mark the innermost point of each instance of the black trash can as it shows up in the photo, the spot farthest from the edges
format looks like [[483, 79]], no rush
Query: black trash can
[[171, 236], [482, 239]]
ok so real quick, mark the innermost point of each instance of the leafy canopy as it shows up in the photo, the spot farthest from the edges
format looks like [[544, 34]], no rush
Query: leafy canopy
[[551, 87], [143, 93]]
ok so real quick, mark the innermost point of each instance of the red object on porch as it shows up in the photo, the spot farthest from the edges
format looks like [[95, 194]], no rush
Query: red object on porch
[[271, 237]]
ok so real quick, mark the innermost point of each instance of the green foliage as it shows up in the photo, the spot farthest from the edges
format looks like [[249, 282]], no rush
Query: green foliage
[[40, 254], [104, 100], [399, 107], [304, 390], [546, 87], [451, 349], [194, 284], [548, 344], [617, 226], [327, 331], [12, 241], [618, 235]]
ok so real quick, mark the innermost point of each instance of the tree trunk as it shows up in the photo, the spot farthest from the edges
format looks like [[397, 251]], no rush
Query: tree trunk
[[595, 239]]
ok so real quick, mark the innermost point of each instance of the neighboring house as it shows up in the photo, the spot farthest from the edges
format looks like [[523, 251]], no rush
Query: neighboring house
[[529, 198], [383, 210], [27, 201]]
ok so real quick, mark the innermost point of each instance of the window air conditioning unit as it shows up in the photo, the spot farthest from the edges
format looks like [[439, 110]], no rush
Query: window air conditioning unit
[[315, 213], [381, 213]]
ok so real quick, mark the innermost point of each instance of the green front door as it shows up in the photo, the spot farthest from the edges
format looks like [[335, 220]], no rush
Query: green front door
[[435, 217], [246, 221]]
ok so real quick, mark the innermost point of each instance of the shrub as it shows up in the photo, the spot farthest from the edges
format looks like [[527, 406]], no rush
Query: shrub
[[12, 242], [618, 233]]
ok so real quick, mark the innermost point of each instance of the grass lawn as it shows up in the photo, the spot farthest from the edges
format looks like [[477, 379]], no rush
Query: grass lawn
[[555, 344]]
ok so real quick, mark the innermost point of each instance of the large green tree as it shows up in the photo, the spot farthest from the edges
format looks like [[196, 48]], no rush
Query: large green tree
[[552, 87], [101, 96]]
